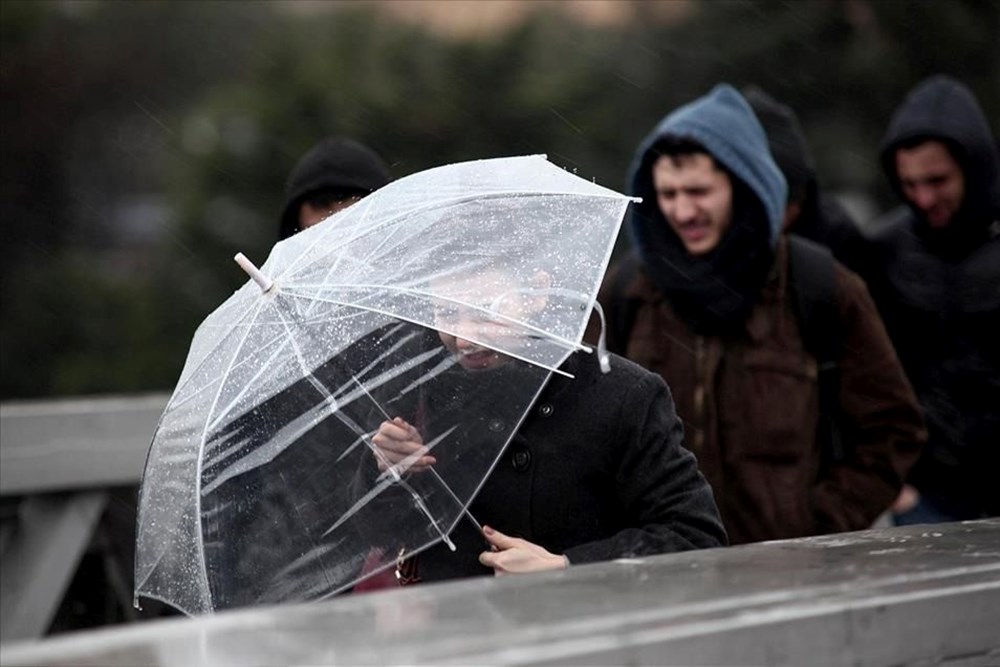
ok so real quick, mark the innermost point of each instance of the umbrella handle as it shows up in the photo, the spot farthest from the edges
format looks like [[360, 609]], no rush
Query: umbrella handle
[[602, 341]]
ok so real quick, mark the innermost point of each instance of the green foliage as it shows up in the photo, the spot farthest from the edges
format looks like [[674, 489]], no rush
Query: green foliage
[[197, 111]]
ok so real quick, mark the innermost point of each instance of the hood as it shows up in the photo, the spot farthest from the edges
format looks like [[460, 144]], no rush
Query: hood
[[726, 126], [786, 140], [337, 165], [942, 108], [713, 293]]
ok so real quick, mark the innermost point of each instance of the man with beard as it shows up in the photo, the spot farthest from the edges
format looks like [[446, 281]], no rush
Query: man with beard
[[938, 287], [708, 302]]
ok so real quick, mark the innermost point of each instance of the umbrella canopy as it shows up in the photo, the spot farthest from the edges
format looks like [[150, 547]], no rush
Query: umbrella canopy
[[262, 483]]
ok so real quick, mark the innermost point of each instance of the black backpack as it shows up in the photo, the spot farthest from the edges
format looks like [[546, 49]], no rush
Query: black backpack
[[811, 271]]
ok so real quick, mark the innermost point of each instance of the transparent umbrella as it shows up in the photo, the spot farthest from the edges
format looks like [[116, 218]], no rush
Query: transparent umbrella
[[262, 484]]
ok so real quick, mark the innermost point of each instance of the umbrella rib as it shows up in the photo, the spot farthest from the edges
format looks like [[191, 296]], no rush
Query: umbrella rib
[[392, 472], [429, 375], [575, 346], [243, 392], [201, 454], [248, 314], [434, 472], [331, 402], [441, 204], [369, 395], [308, 374], [423, 293], [381, 244]]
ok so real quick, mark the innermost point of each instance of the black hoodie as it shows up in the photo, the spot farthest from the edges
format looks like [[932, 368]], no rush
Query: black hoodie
[[822, 218], [944, 109], [335, 166], [939, 294]]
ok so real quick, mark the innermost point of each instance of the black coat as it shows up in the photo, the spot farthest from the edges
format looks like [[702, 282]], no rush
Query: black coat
[[824, 220], [597, 471]]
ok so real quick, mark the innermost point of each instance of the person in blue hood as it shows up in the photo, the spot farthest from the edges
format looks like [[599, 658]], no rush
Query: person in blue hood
[[938, 287], [707, 301]]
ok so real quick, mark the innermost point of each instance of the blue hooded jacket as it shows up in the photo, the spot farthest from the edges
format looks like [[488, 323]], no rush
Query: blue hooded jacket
[[716, 291]]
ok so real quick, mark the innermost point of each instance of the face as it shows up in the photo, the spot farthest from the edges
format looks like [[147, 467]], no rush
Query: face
[[465, 323], [932, 181], [696, 198], [310, 215]]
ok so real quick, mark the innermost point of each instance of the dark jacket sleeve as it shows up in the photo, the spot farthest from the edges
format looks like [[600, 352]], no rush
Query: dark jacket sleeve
[[879, 405], [668, 504]]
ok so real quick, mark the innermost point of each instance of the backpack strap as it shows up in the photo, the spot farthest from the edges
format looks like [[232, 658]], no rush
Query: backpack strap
[[811, 269]]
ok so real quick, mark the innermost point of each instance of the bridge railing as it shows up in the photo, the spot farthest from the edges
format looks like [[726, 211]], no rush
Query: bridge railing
[[58, 460], [917, 595], [909, 596]]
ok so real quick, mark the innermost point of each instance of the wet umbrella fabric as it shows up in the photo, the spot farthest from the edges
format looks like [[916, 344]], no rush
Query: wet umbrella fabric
[[262, 484]]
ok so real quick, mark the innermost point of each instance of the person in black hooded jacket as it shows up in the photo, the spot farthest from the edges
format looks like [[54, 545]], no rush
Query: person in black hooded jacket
[[809, 213], [595, 470], [330, 176], [938, 287]]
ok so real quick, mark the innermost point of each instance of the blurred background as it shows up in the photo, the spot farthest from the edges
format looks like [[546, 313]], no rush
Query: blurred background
[[145, 143]]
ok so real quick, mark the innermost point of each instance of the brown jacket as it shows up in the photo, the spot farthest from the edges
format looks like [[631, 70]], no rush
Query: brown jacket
[[750, 408]]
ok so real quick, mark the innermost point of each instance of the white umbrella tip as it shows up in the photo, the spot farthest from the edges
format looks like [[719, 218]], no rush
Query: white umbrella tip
[[262, 281]]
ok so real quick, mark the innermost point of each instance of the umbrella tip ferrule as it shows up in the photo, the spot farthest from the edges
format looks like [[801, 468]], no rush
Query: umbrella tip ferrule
[[262, 281]]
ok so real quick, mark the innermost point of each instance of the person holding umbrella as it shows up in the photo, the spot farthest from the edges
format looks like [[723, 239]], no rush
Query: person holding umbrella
[[454, 299], [597, 470]]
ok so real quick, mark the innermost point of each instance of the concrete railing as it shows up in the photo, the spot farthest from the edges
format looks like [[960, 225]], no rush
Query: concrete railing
[[923, 595], [57, 460], [901, 596]]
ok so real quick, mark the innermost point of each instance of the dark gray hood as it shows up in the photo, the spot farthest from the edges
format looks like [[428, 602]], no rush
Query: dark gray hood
[[942, 108]]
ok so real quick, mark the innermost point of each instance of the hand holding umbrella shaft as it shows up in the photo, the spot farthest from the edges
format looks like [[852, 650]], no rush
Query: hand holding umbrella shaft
[[399, 442]]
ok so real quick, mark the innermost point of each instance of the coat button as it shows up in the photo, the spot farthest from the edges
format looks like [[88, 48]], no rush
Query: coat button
[[545, 410], [495, 425], [520, 459]]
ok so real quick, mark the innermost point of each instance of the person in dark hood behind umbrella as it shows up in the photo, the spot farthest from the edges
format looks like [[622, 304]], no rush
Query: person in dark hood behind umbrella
[[707, 304], [331, 176], [596, 471], [938, 288], [809, 213]]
